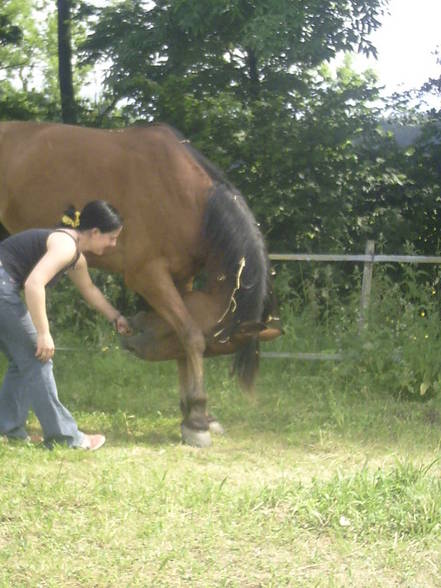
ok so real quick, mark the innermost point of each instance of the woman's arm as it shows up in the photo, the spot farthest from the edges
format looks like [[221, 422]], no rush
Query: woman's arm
[[60, 252], [94, 297]]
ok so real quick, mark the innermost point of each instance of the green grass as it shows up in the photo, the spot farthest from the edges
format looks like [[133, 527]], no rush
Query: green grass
[[316, 483]]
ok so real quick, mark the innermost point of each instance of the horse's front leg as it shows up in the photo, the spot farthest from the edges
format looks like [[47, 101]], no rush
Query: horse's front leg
[[213, 424], [157, 287], [195, 425]]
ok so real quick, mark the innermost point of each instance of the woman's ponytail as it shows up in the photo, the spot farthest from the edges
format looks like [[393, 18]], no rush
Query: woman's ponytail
[[97, 214]]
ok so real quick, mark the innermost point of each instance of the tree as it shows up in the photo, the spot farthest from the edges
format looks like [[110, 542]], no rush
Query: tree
[[433, 85], [9, 33], [19, 55], [68, 106], [244, 80], [38, 40], [245, 47]]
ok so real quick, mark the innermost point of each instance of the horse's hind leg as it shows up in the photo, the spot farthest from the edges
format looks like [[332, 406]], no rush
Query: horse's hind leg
[[158, 288]]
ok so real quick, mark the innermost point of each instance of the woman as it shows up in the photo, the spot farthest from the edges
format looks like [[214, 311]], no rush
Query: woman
[[32, 260]]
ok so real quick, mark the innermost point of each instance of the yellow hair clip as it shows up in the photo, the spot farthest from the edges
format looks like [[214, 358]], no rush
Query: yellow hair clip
[[66, 220]]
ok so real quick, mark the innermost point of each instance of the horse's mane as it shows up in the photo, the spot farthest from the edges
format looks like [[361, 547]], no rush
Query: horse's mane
[[231, 228], [232, 231], [234, 236], [235, 240], [216, 174]]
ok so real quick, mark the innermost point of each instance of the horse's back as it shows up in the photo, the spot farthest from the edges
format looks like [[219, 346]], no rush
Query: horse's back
[[54, 155], [146, 173]]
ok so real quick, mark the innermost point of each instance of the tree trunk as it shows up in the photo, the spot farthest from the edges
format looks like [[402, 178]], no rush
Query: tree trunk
[[68, 106]]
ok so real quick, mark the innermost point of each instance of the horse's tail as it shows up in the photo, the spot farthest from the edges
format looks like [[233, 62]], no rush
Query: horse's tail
[[237, 243]]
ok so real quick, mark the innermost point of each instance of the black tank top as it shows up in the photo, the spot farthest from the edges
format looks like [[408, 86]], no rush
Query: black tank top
[[21, 252]]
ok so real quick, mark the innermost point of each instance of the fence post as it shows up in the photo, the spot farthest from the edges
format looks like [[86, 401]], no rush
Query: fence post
[[366, 286]]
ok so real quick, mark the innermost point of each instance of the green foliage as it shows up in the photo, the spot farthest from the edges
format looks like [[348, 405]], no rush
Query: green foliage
[[9, 33], [69, 313], [24, 53], [18, 105], [29, 86], [224, 45], [397, 351], [303, 145], [249, 98]]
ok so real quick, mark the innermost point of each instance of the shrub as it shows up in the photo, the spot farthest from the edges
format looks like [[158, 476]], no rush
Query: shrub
[[68, 311], [398, 350]]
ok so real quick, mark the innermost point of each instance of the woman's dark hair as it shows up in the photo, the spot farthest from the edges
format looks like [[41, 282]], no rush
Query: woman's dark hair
[[96, 214]]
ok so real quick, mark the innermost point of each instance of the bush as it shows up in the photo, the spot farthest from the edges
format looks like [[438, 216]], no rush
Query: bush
[[69, 313], [398, 350]]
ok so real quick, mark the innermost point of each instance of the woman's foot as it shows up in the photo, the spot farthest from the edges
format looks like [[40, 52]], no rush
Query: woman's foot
[[92, 442]]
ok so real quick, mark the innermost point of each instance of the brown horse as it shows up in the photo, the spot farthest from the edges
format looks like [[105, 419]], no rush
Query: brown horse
[[181, 217]]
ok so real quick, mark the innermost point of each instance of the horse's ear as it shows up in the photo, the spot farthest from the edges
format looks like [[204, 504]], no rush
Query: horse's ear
[[246, 331], [273, 329], [270, 333], [265, 332]]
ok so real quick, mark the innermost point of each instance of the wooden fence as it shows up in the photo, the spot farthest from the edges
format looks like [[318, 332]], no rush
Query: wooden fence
[[368, 259]]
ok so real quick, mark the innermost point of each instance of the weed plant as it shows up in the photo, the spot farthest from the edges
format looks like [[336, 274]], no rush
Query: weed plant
[[397, 351]]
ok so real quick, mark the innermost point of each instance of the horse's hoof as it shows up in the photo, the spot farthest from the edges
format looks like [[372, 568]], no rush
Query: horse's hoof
[[195, 438], [216, 428]]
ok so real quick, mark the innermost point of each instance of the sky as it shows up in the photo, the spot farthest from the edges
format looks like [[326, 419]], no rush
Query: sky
[[405, 43]]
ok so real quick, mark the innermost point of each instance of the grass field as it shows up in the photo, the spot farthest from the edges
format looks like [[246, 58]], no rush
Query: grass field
[[314, 484]]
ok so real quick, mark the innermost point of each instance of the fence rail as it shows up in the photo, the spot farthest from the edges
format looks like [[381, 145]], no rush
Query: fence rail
[[368, 259], [355, 258]]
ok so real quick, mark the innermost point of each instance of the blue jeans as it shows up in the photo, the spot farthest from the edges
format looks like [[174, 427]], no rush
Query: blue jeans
[[28, 383]]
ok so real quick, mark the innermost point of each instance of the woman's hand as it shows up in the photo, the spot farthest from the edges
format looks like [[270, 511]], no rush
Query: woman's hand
[[122, 326], [45, 347]]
